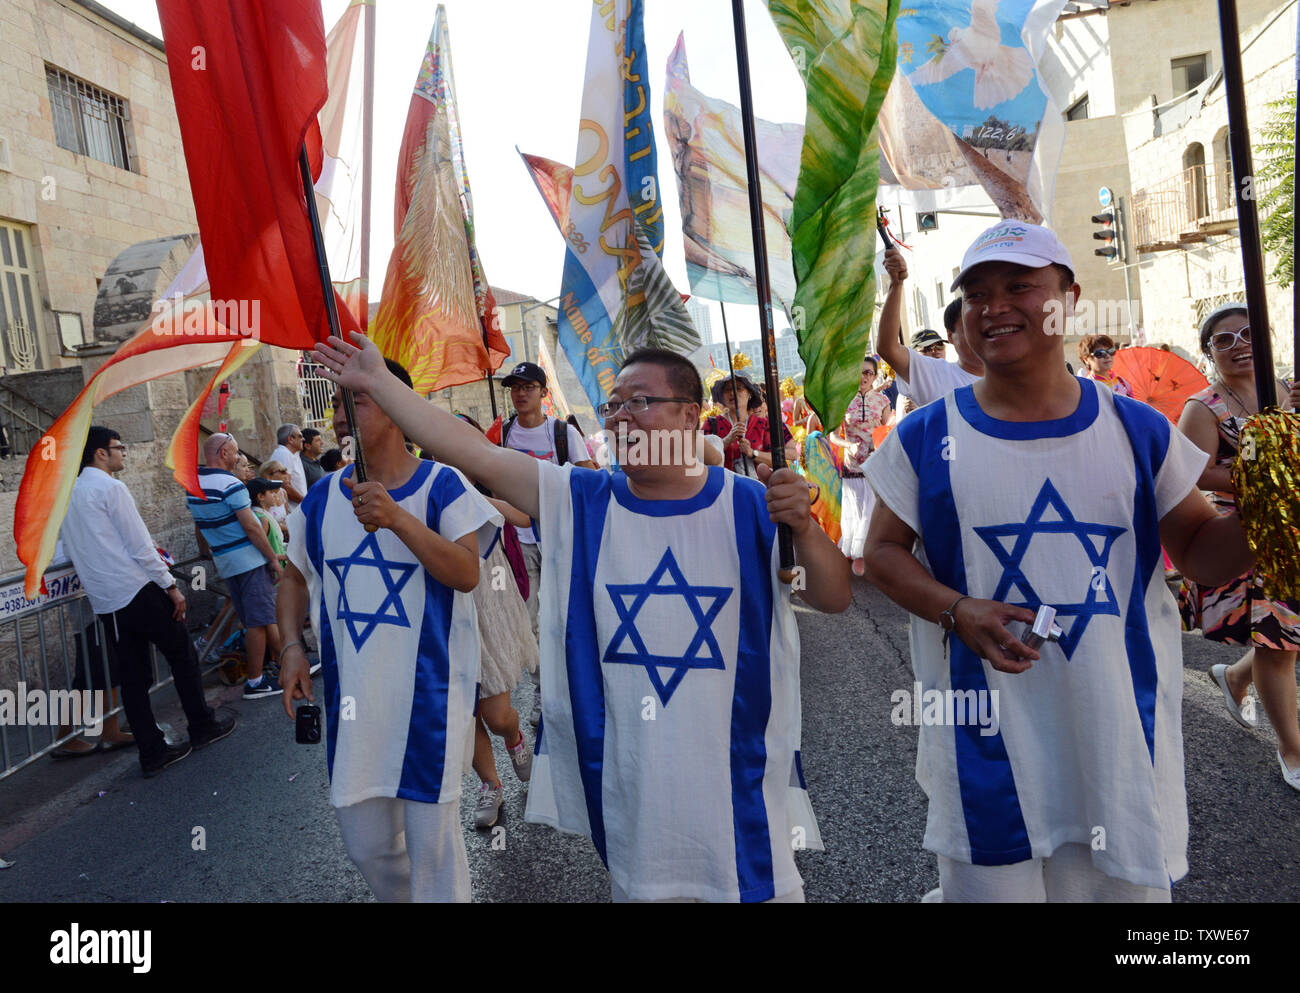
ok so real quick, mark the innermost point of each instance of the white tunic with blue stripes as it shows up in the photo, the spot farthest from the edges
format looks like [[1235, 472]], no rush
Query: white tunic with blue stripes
[[1066, 513], [670, 688], [399, 651]]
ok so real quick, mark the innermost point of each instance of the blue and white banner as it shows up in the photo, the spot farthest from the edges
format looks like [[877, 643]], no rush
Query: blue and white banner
[[615, 296]]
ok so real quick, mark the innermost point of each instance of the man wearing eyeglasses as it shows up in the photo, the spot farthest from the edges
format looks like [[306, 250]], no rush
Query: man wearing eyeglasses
[[670, 731], [532, 432], [137, 600], [289, 443]]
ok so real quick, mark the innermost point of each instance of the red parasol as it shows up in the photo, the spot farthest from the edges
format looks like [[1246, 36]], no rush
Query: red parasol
[[1159, 378]]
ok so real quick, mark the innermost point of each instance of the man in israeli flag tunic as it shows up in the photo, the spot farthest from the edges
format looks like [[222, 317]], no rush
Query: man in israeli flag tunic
[[1034, 488], [670, 656], [399, 648]]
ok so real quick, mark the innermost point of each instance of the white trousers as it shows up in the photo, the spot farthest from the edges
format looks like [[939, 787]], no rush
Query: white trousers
[[1065, 876], [857, 501], [409, 852]]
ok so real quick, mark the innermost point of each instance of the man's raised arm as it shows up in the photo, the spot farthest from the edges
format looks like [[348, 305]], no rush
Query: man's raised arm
[[889, 340], [360, 366]]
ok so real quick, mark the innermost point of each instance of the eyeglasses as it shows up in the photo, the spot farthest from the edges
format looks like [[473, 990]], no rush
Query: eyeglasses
[[117, 448], [1223, 340], [1103, 353], [524, 387], [633, 405]]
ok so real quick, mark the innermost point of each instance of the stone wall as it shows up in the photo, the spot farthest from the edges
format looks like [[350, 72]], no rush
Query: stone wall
[[84, 212]]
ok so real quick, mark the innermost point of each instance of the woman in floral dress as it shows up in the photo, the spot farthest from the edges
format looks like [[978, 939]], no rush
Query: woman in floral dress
[[1238, 613]]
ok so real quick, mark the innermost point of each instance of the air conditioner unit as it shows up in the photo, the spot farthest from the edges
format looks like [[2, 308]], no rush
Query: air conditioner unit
[[6, 160]]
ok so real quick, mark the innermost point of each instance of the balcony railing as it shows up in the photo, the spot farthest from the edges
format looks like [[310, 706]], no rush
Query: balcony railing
[[1185, 208]]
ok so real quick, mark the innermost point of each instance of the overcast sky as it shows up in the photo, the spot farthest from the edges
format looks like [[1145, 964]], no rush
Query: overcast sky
[[519, 69]]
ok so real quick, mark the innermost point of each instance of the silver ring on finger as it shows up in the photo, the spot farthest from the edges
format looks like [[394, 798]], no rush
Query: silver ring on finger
[[1003, 647]]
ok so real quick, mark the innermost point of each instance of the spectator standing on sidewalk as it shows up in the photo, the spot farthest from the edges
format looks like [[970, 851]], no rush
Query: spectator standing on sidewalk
[[313, 444], [137, 600], [288, 441], [224, 522]]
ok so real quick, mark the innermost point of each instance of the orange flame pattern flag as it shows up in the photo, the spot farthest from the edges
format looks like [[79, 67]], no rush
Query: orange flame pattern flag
[[437, 315], [248, 80]]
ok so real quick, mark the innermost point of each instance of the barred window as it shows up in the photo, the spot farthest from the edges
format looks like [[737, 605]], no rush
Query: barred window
[[88, 120]]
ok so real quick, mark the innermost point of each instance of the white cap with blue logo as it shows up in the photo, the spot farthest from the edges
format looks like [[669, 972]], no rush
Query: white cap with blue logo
[[1015, 241]]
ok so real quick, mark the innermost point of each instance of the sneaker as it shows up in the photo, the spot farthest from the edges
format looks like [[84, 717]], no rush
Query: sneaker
[[170, 756], [1243, 713], [265, 689], [223, 723], [521, 757], [1290, 776], [489, 805], [271, 670]]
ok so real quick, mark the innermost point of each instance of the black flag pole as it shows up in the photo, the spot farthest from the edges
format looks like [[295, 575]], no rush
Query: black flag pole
[[761, 280], [1243, 172], [331, 311]]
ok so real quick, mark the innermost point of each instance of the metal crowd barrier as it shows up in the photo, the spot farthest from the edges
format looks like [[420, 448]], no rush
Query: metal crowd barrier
[[45, 644]]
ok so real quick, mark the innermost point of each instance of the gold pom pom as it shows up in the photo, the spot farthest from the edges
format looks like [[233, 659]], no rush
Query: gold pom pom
[[1266, 477], [714, 375], [710, 410], [886, 370], [740, 361], [790, 389]]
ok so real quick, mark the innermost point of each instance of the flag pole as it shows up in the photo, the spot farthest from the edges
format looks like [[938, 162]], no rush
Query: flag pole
[[367, 141], [331, 312], [735, 392], [761, 280], [1247, 215]]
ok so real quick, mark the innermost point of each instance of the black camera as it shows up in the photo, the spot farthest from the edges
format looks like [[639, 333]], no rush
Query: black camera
[[307, 725]]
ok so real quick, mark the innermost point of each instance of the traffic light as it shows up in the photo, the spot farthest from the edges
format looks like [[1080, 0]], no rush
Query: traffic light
[[1107, 234]]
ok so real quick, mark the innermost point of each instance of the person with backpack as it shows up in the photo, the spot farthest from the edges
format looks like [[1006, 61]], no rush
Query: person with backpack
[[531, 431]]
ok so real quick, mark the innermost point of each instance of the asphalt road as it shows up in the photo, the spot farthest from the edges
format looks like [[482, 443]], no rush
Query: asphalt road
[[95, 830]]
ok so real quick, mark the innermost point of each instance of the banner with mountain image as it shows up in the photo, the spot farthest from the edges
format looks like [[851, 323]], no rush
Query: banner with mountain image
[[708, 149], [968, 106], [607, 304]]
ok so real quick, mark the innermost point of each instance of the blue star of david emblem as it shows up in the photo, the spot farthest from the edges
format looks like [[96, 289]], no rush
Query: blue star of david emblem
[[702, 652], [361, 624], [1096, 540]]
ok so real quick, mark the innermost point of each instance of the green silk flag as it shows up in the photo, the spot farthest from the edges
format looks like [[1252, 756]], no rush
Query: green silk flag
[[846, 51]]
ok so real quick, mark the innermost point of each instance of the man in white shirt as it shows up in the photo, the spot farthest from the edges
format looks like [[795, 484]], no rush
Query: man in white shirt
[[993, 504], [664, 598], [921, 376], [288, 439], [137, 600], [532, 432]]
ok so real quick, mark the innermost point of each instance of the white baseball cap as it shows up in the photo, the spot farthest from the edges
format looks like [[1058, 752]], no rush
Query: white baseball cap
[[1015, 241]]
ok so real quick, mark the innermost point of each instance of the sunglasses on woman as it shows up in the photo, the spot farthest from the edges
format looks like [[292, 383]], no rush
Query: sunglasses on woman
[[1103, 353], [1223, 340]]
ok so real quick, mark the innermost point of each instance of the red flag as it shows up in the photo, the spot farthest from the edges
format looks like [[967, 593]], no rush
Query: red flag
[[248, 77]]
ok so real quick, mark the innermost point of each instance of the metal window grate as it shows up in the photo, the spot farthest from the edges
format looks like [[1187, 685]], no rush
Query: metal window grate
[[88, 120]]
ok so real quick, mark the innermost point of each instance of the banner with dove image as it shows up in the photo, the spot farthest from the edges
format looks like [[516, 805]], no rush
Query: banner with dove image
[[968, 108]]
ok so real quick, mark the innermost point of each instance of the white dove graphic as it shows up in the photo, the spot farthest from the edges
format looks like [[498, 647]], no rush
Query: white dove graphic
[[1001, 71]]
